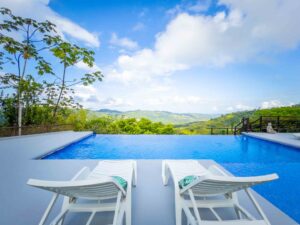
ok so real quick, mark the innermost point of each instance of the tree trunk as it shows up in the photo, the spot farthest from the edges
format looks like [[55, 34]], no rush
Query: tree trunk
[[19, 118], [60, 93]]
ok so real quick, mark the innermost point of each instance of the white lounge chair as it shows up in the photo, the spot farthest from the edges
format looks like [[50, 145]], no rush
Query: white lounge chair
[[106, 188], [199, 188]]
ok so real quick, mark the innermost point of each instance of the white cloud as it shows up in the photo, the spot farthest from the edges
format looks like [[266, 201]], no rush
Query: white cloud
[[114, 102], [215, 108], [142, 66], [239, 107], [138, 26], [174, 100], [190, 6], [93, 98], [123, 42], [83, 66], [271, 104], [242, 107], [87, 96], [229, 108], [247, 30], [40, 10]]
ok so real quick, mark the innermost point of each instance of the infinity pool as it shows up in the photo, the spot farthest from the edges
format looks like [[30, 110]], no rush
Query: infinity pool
[[241, 155]]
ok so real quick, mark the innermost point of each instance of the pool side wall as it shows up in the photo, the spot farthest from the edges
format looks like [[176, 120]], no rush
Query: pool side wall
[[287, 139]]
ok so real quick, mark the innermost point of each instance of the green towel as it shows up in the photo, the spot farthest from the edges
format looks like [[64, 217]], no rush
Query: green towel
[[186, 181], [121, 181]]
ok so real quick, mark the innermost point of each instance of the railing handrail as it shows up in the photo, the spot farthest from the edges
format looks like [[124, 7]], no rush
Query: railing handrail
[[33, 129], [261, 120], [49, 125]]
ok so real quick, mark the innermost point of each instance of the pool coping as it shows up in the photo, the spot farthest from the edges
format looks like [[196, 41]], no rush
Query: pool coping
[[279, 138], [41, 156]]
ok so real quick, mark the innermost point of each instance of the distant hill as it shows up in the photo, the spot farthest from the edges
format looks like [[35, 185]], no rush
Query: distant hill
[[156, 116], [231, 119]]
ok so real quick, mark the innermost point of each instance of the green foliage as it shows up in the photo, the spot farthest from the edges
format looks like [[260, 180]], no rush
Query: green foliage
[[108, 125], [232, 119], [29, 93]]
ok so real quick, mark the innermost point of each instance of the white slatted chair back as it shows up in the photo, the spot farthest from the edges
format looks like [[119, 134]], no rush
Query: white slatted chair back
[[86, 189], [211, 185]]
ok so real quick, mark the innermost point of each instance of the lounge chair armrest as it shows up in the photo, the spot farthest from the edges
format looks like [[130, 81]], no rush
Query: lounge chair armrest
[[72, 183], [215, 170], [165, 173], [82, 174], [253, 179], [134, 180]]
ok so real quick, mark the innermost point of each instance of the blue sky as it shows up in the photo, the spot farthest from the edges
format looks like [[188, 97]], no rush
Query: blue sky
[[203, 56]]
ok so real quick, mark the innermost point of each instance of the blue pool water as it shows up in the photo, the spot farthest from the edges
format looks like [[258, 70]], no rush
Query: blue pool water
[[241, 155]]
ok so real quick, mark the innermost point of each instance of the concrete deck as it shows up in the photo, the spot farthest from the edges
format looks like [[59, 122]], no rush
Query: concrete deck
[[152, 203], [35, 146], [281, 138]]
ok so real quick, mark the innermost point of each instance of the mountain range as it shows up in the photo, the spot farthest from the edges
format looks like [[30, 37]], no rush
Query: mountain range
[[157, 116]]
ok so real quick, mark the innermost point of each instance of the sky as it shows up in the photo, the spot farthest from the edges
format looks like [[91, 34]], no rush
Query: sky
[[197, 56]]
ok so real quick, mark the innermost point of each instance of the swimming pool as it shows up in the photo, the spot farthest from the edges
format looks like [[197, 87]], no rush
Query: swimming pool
[[241, 155]]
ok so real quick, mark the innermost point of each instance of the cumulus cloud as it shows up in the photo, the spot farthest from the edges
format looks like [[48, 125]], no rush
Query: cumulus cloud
[[114, 102], [87, 96], [92, 98], [271, 104], [83, 66], [190, 6], [174, 99], [239, 107], [138, 26], [242, 107], [40, 10], [244, 30], [123, 42]]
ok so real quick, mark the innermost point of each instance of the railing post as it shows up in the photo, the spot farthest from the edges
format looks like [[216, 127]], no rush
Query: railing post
[[227, 130]]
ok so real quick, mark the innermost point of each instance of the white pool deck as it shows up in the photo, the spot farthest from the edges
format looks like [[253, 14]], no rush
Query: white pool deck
[[281, 138], [152, 203]]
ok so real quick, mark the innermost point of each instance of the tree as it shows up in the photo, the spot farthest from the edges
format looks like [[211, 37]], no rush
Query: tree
[[24, 44], [33, 38], [69, 55]]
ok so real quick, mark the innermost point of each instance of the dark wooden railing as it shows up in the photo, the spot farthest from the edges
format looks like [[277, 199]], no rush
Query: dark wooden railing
[[279, 123], [221, 130], [13, 131]]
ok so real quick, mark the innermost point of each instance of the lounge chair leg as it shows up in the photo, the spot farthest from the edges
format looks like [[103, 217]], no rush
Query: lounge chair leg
[[117, 208], [59, 217], [178, 209], [128, 207], [190, 218], [257, 206], [196, 212], [121, 215], [128, 213], [46, 214], [91, 218]]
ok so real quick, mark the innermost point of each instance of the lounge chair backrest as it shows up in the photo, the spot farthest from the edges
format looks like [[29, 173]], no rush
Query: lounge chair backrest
[[211, 185], [87, 189]]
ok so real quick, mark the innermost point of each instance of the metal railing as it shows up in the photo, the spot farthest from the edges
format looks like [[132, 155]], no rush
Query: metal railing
[[221, 130], [34, 129], [279, 123]]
